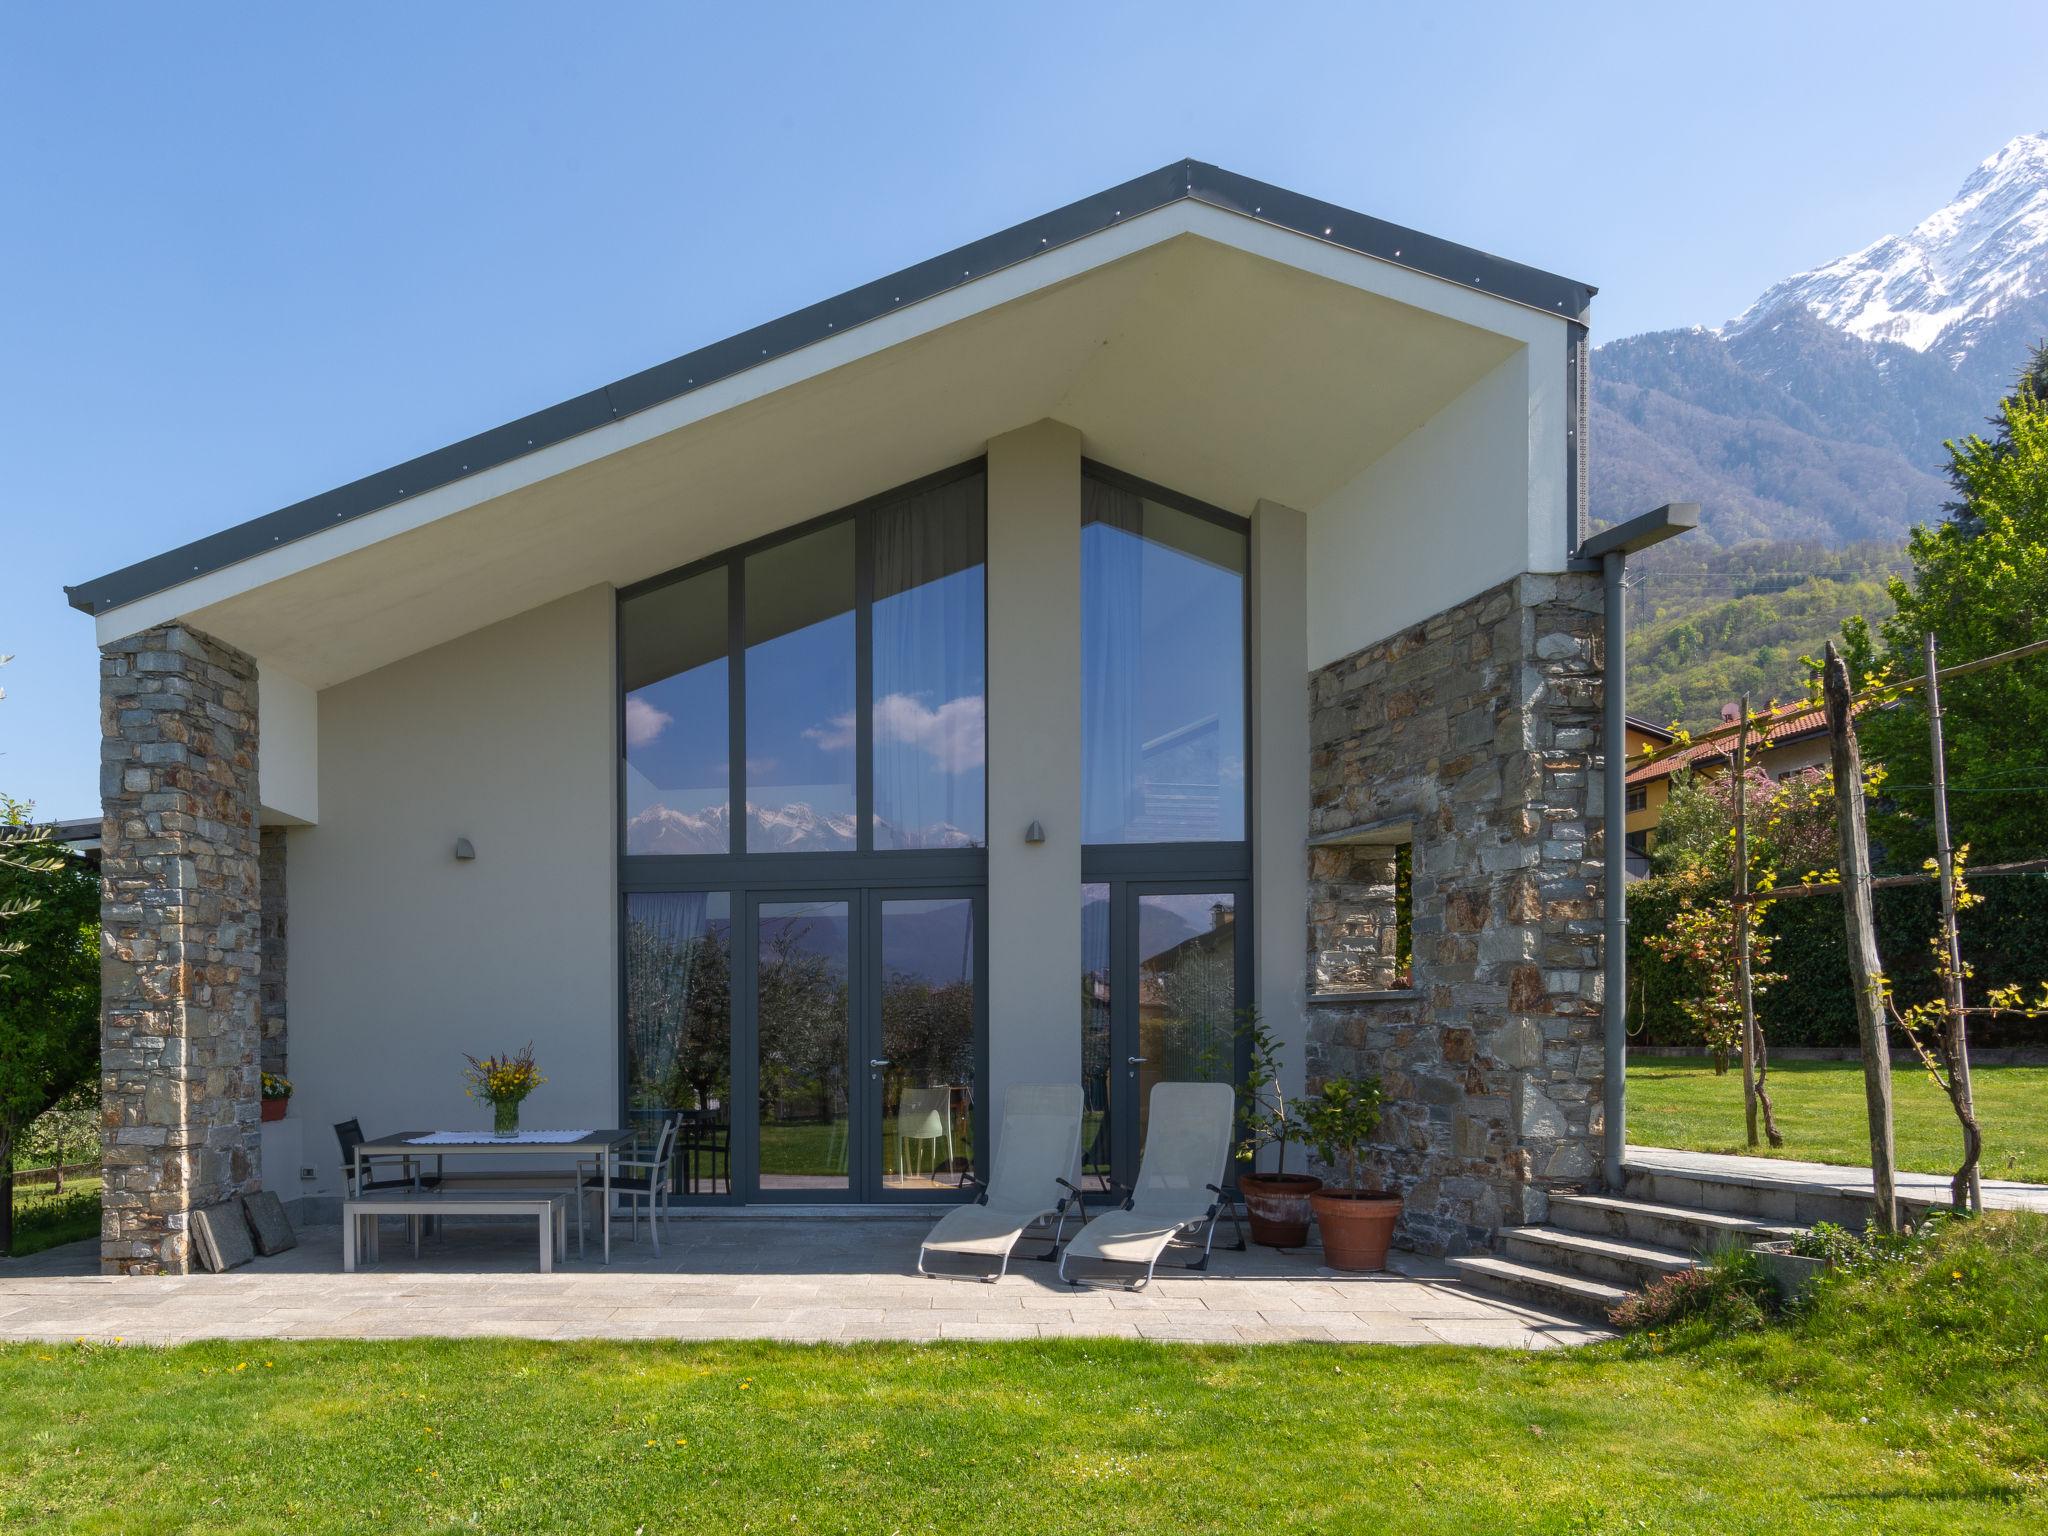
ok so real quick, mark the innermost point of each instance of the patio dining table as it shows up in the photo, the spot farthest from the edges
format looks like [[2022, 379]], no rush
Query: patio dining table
[[415, 1146]]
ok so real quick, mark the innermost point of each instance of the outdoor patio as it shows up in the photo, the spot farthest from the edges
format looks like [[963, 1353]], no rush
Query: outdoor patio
[[729, 1277]]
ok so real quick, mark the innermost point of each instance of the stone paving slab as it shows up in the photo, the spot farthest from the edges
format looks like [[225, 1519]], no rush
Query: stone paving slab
[[757, 1279], [1835, 1178]]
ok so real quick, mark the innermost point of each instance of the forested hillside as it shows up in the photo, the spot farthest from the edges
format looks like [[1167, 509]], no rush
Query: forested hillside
[[1708, 624]]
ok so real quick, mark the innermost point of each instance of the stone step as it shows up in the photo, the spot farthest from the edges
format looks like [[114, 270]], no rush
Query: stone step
[[1763, 1198], [1686, 1228], [1577, 1295], [1618, 1260]]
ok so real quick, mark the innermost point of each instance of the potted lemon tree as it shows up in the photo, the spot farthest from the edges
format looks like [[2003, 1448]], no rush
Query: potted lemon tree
[[1276, 1203], [1357, 1223]]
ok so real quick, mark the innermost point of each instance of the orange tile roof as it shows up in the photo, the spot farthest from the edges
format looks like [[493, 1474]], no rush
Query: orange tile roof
[[1808, 722]]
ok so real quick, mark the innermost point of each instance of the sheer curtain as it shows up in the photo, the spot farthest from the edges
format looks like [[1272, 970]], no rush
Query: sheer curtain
[[678, 1000], [930, 668], [1112, 626]]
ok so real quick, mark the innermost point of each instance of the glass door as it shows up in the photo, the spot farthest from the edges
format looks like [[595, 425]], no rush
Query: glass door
[[926, 1068], [1163, 969], [804, 1081], [868, 1045]]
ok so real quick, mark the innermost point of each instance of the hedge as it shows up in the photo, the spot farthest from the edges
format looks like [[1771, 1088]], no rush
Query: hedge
[[2005, 939]]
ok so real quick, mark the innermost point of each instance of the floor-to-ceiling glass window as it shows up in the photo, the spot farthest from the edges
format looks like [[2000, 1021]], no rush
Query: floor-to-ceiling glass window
[[678, 989], [1164, 813], [802, 729], [678, 762]]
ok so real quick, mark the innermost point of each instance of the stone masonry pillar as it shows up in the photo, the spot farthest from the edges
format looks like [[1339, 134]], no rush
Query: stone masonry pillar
[[180, 918]]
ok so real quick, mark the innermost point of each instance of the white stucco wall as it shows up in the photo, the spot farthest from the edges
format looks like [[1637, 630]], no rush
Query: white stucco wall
[[1470, 498], [287, 749], [402, 957], [1034, 758]]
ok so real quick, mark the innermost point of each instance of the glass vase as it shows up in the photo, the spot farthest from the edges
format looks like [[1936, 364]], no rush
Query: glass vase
[[505, 1117]]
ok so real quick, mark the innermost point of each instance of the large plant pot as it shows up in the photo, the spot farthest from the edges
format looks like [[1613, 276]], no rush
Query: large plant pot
[[1357, 1226], [1277, 1204]]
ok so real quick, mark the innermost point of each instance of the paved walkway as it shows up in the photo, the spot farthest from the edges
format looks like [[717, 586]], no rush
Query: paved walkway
[[834, 1279], [1836, 1178]]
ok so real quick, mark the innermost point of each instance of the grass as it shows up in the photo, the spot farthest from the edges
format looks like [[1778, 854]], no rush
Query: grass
[[1911, 1400], [43, 1219], [1679, 1102]]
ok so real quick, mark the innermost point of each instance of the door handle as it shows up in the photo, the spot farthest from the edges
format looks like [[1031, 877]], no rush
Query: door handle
[[1136, 1061], [877, 1061]]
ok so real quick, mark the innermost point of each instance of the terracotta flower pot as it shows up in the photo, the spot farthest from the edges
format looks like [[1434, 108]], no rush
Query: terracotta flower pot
[[1357, 1226], [1277, 1204], [273, 1109]]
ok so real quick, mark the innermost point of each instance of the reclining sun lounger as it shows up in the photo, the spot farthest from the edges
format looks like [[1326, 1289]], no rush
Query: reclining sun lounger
[[1037, 1154], [1180, 1184]]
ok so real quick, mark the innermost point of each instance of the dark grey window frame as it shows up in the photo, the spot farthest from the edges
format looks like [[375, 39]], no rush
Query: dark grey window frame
[[733, 560], [861, 874], [1132, 870]]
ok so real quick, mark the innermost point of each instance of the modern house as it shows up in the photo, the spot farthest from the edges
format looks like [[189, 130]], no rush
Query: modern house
[[1002, 672]]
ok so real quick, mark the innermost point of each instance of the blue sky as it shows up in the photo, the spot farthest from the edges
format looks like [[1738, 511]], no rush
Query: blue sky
[[251, 252]]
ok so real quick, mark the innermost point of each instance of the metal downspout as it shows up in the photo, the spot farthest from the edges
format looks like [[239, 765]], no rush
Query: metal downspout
[[1614, 767]]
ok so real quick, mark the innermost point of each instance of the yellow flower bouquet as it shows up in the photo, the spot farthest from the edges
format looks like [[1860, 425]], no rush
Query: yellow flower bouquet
[[503, 1081]]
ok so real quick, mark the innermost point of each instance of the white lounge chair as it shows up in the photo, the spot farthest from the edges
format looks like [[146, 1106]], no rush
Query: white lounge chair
[[1180, 1183], [1036, 1155]]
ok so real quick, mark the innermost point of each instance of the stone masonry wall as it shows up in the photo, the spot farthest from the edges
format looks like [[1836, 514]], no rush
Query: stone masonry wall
[[1353, 920], [1482, 726], [179, 913], [270, 863]]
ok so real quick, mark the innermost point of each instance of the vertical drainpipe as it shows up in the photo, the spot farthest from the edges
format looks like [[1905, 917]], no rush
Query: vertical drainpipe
[[1607, 552], [1614, 949]]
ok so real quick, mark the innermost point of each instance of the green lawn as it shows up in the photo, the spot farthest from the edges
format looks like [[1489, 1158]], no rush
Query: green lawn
[[1679, 1102], [43, 1219], [1918, 1402]]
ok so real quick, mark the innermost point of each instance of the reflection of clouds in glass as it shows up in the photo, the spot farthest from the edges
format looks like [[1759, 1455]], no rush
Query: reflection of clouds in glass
[[644, 723], [760, 767], [955, 735]]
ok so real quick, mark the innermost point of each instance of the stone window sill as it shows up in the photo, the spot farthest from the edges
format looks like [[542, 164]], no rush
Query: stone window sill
[[1382, 995]]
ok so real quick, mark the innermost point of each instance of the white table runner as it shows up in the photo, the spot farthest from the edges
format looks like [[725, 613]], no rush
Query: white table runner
[[488, 1138]]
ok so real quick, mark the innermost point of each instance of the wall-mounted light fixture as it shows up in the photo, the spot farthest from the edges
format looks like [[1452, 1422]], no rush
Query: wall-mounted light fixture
[[1035, 833], [464, 848]]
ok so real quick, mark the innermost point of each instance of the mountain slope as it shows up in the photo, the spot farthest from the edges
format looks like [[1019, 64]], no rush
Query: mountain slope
[[1820, 411]]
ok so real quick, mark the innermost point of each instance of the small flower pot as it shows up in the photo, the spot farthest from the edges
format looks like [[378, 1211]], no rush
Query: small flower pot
[[1277, 1204], [273, 1109], [1357, 1226]]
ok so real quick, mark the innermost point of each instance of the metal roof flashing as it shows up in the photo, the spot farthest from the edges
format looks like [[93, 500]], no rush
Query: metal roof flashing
[[1186, 180]]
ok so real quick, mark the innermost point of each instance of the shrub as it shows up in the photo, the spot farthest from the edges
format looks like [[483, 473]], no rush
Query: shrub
[[1727, 1293]]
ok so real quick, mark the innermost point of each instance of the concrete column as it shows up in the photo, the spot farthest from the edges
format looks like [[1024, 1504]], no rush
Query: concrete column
[[1280, 767], [1034, 757], [180, 914]]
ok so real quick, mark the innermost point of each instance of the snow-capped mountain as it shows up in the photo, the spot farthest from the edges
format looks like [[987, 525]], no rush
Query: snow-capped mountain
[[1934, 288], [775, 829], [1820, 411]]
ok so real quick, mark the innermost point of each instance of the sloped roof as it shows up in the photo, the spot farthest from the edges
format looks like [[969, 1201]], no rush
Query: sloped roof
[[1791, 728], [1186, 180]]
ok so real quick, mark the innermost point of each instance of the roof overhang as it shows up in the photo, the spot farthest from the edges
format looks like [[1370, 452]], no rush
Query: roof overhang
[[1228, 339]]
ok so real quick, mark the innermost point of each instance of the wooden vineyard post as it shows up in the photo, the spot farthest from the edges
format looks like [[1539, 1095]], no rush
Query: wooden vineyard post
[[1864, 967], [1742, 977], [1967, 1190]]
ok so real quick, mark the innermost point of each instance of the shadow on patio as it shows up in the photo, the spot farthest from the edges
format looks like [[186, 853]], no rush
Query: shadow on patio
[[721, 1277]]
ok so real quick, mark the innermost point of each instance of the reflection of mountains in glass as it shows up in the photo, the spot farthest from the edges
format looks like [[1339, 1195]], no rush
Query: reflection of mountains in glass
[[795, 828], [937, 945]]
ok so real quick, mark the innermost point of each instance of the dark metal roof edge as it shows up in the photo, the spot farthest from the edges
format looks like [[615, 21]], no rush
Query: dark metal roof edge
[[1186, 179]]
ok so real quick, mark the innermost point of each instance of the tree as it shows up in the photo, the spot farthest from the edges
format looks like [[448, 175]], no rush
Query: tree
[[49, 982], [1979, 581]]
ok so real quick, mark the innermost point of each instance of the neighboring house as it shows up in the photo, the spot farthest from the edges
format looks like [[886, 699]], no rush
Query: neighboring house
[[943, 687], [1791, 745], [1645, 804]]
